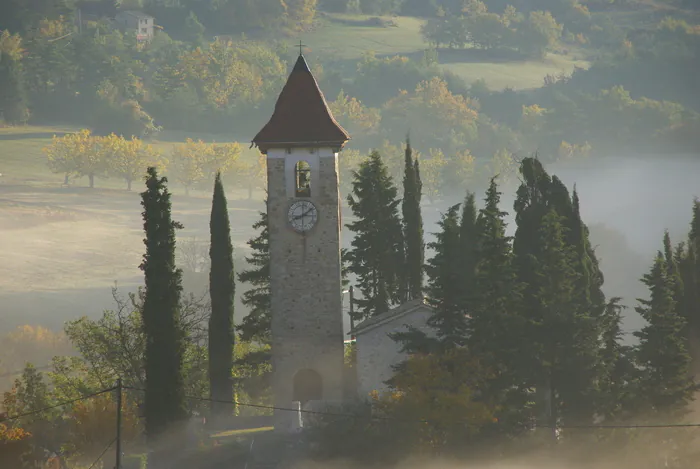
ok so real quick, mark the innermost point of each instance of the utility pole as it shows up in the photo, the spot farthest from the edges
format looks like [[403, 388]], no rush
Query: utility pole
[[118, 458], [352, 311]]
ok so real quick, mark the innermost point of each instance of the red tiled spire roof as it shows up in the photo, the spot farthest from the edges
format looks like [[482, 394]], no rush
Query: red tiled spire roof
[[301, 117]]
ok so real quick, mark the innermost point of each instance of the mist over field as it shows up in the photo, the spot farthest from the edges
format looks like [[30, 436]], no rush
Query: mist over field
[[121, 119], [64, 269]]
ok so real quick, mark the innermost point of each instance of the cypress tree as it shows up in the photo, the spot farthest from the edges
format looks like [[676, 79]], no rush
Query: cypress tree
[[221, 291], [376, 254], [591, 278], [551, 329], [530, 209], [538, 196], [256, 326], [165, 405], [445, 288], [412, 225], [662, 353]]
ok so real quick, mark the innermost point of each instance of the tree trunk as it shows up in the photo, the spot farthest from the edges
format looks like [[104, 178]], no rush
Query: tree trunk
[[65, 179], [128, 184], [92, 180]]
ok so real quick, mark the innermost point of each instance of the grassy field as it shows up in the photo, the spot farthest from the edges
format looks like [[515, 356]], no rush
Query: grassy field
[[21, 156], [516, 75], [63, 248], [348, 37]]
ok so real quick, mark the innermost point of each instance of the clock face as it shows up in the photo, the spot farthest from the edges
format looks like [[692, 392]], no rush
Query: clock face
[[302, 216]]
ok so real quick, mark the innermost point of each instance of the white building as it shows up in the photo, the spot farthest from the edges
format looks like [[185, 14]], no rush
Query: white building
[[377, 353], [136, 22]]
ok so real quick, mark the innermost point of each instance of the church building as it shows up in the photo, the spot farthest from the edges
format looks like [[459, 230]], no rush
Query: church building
[[377, 352], [301, 142]]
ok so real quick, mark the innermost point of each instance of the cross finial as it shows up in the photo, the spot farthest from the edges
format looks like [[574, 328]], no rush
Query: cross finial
[[301, 46]]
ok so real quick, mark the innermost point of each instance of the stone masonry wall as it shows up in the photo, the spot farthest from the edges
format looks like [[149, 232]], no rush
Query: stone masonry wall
[[307, 327]]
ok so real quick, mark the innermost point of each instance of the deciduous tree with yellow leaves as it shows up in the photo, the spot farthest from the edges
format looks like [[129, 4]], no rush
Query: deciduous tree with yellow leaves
[[16, 449], [355, 117], [78, 154], [435, 116], [227, 73], [251, 172], [435, 402], [432, 173], [129, 159], [194, 162], [83, 154], [92, 424]]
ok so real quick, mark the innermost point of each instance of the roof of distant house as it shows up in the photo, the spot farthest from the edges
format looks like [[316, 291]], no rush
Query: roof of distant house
[[301, 117], [391, 315]]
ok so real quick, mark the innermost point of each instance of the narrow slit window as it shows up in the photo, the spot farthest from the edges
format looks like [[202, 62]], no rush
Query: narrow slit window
[[303, 179]]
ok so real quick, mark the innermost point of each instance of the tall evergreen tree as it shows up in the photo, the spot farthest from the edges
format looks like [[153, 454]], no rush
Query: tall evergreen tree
[[221, 291], [469, 247], [591, 277], [554, 326], [538, 196], [538, 193], [673, 270], [662, 353], [165, 405], [616, 393], [531, 206], [256, 326], [452, 299], [376, 254], [689, 265], [494, 324], [412, 225], [445, 288]]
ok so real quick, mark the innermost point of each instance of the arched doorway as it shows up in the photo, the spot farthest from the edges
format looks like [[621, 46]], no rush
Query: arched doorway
[[308, 386]]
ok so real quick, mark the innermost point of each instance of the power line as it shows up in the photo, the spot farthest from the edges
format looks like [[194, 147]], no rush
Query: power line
[[103, 453], [336, 414], [60, 404]]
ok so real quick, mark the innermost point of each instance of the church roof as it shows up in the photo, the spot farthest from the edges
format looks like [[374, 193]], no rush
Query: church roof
[[419, 304], [301, 117]]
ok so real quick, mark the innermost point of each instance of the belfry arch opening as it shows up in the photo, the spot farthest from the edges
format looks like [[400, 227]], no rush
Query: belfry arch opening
[[308, 386], [302, 178]]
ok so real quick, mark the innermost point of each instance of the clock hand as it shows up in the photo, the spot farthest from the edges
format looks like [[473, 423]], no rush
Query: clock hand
[[303, 215]]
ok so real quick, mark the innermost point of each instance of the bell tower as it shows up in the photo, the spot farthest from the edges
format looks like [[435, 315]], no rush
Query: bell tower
[[302, 141]]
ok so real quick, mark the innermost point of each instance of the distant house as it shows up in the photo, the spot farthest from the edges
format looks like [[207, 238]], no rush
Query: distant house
[[136, 22], [377, 353]]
